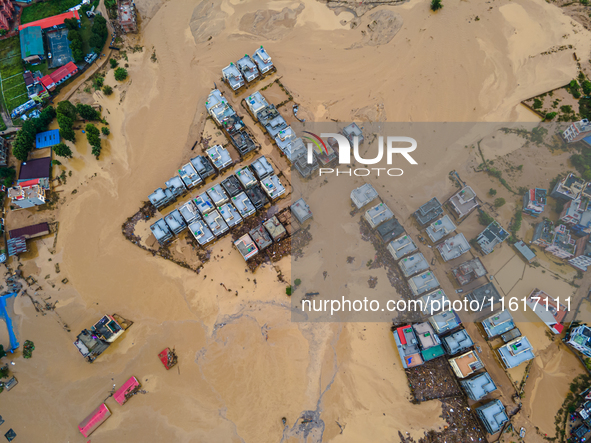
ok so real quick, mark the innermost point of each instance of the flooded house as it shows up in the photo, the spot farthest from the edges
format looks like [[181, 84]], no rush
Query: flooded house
[[175, 222], [94, 420], [216, 223], [457, 342], [230, 214], [273, 187], [413, 264], [440, 229], [232, 186], [257, 196], [275, 229], [243, 205], [256, 103], [217, 195], [219, 156], [261, 237], [248, 68], [203, 166], [201, 232], [479, 386], [189, 175], [176, 186], [189, 212], [301, 210], [263, 61], [262, 168], [402, 246], [161, 197], [246, 247], [378, 214], [363, 195], [94, 341], [233, 77], [246, 177], [271, 120], [204, 203], [161, 231], [351, 131]]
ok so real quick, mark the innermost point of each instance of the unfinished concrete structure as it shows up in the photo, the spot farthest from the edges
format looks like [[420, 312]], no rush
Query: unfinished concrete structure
[[429, 212], [469, 271], [464, 202], [301, 210], [261, 237], [127, 16]]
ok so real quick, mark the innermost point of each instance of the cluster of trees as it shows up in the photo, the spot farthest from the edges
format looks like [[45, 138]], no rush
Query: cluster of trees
[[25, 138], [94, 139], [582, 162], [120, 74], [96, 41], [67, 113], [436, 5], [76, 45], [99, 33], [63, 150]]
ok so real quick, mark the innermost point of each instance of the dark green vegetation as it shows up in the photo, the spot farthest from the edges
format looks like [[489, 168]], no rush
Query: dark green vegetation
[[25, 138], [120, 74], [484, 219], [93, 137], [63, 150], [436, 5]]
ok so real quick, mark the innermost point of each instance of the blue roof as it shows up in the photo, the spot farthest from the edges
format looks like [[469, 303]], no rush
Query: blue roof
[[587, 140], [47, 139]]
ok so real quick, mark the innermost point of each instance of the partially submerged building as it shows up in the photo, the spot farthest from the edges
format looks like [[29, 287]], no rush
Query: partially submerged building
[[273, 187], [161, 231], [176, 186], [464, 202], [351, 131], [272, 121], [413, 264], [484, 296], [161, 197], [445, 321], [127, 16], [548, 309], [453, 247], [457, 342], [363, 195], [217, 195], [515, 352], [577, 131], [434, 302], [257, 196], [27, 194], [219, 156], [469, 271], [232, 76], [429, 342], [498, 323], [230, 214], [94, 341], [440, 228], [478, 386], [263, 61], [419, 284], [525, 251], [189, 175], [466, 364], [201, 232], [31, 231], [301, 210], [390, 230], [36, 169], [175, 222], [492, 415], [232, 186], [204, 203], [246, 177], [246, 246], [401, 246], [190, 212], [580, 339], [243, 205], [94, 420], [256, 103], [429, 212], [568, 188], [492, 235], [378, 215], [128, 388], [203, 166], [275, 229], [534, 201], [563, 245], [47, 139], [543, 233], [216, 223], [262, 168], [248, 68], [408, 346], [261, 237]]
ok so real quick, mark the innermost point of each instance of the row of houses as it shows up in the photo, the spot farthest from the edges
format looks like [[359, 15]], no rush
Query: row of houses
[[247, 69]]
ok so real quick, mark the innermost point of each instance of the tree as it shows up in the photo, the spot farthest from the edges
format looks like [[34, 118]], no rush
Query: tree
[[63, 150], [537, 103], [120, 74], [587, 87], [68, 134], [499, 202], [93, 137], [96, 41], [492, 192], [7, 174], [550, 116], [105, 130], [77, 55], [113, 63], [98, 82], [436, 5], [68, 109], [107, 90], [87, 112], [74, 35], [71, 23], [75, 45]]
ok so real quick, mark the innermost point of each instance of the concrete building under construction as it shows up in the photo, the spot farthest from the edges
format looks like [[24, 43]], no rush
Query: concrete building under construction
[[127, 16]]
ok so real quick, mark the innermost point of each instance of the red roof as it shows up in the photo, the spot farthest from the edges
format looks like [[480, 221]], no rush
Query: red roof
[[59, 74], [29, 183], [401, 334], [49, 22], [94, 420], [47, 81], [128, 386]]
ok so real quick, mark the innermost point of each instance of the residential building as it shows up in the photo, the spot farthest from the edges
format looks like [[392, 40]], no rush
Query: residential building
[[408, 346], [419, 284], [27, 194], [273, 187], [510, 335], [262, 168], [60, 75], [428, 341], [327, 156], [498, 323], [580, 339], [285, 140], [484, 296], [378, 215], [243, 205], [363, 195], [434, 302], [32, 231], [351, 131], [515, 352], [240, 136], [39, 168], [94, 341], [248, 68], [413, 264], [563, 246], [218, 107], [525, 251], [453, 247], [47, 139], [261, 237], [232, 76], [246, 246], [543, 233], [161, 231], [464, 202], [246, 177], [94, 420], [35, 89], [401, 246], [390, 230], [478, 386], [263, 61], [492, 415], [204, 203], [568, 188], [219, 156], [256, 195], [466, 364], [161, 197], [230, 214], [582, 259], [492, 235], [201, 232], [275, 229], [31, 42], [440, 228], [256, 103], [301, 210], [216, 223], [534, 201], [469, 271], [232, 186], [272, 121], [56, 21], [176, 186], [299, 159], [189, 212], [548, 309], [429, 212], [175, 222], [577, 131], [127, 16], [6, 13], [189, 176], [217, 195], [457, 342], [577, 215], [16, 246], [203, 166], [445, 321]]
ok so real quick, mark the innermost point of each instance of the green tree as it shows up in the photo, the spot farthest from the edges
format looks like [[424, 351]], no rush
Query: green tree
[[77, 55], [550, 116], [93, 137], [96, 41], [63, 150], [436, 5], [107, 90], [492, 192], [98, 82], [105, 130], [2, 352], [499, 202], [68, 109], [113, 63], [7, 174], [87, 112], [74, 35], [120, 74], [587, 87], [71, 23], [68, 134], [537, 103]]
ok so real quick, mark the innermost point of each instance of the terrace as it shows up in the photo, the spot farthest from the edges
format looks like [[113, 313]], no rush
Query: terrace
[[230, 214], [219, 156], [246, 177], [248, 68], [243, 205], [469, 271], [466, 364], [543, 233], [363, 195], [301, 210], [534, 201], [440, 228], [189, 176], [493, 416], [401, 247], [378, 214], [217, 195], [389, 230], [203, 166], [516, 352], [548, 309], [272, 121], [201, 232], [256, 103], [204, 203], [464, 202], [262, 168], [263, 60], [189, 212], [175, 222], [257, 196], [434, 302], [216, 223], [453, 247], [233, 77], [407, 345], [351, 131], [413, 264], [161, 197], [568, 188], [275, 229], [485, 296], [273, 187]]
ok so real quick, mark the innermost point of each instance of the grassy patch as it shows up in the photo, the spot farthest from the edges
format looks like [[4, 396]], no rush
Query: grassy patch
[[14, 92], [38, 11], [41, 67]]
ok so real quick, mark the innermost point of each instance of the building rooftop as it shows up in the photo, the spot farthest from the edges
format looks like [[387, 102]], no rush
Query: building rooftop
[[301, 210], [351, 131], [550, 311], [429, 212], [453, 247], [401, 247], [433, 302], [256, 102], [492, 235], [413, 264], [201, 232], [203, 166], [216, 223], [440, 228], [262, 168], [189, 176], [432, 353], [408, 347], [233, 76], [232, 186], [426, 335], [246, 247], [534, 201], [243, 205], [492, 415], [261, 237], [464, 201], [543, 233], [189, 212], [273, 122], [419, 284], [479, 386], [378, 214], [275, 228], [510, 335], [525, 251], [457, 342], [219, 156], [217, 195], [273, 187], [484, 295], [30, 231], [204, 203], [161, 197], [285, 139], [161, 231], [31, 41], [390, 230], [515, 352], [176, 186], [47, 139], [246, 177], [16, 246], [263, 61], [498, 323], [248, 68], [175, 222], [230, 214], [445, 321], [36, 168], [466, 364], [469, 271], [363, 195], [257, 196], [568, 188], [50, 22]]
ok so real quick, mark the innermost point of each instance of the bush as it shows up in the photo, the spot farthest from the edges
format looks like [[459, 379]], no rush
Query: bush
[[7, 174], [93, 137], [499, 202], [113, 63], [484, 219], [586, 87], [107, 90], [288, 290], [25, 138], [87, 112], [63, 150], [297, 282], [68, 109], [436, 5], [120, 74], [105, 130], [537, 103], [550, 115], [492, 192], [98, 82]]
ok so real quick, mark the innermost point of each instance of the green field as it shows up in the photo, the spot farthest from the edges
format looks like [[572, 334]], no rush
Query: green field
[[37, 11], [14, 92]]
